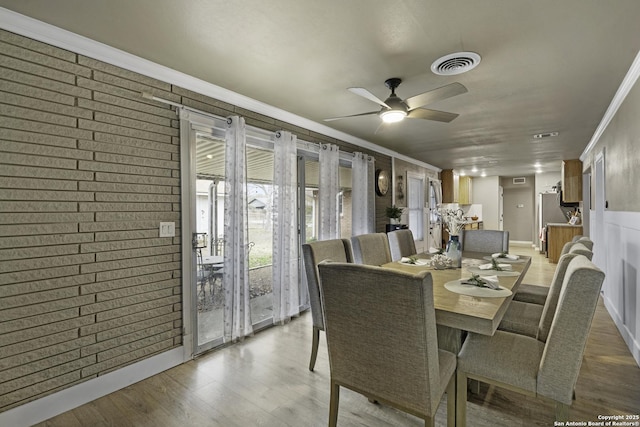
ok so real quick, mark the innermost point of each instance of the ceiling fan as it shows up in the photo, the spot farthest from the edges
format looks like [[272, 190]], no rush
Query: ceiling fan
[[395, 109]]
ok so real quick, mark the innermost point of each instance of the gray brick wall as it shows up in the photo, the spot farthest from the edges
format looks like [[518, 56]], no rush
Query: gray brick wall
[[88, 170]]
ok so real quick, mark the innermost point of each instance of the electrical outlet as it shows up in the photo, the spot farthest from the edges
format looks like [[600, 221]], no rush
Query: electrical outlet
[[167, 229]]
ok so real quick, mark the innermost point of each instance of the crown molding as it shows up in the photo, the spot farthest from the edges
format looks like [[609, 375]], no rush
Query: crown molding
[[47, 33], [622, 92]]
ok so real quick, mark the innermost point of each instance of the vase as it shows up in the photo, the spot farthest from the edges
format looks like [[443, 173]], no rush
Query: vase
[[454, 251]]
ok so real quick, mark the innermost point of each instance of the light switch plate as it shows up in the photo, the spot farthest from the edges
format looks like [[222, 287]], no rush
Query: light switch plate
[[167, 229]]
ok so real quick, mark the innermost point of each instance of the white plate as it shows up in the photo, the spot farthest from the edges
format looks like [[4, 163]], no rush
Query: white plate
[[475, 291]]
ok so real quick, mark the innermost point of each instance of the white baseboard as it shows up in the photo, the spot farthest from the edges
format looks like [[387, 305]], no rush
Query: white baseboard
[[49, 406], [520, 242]]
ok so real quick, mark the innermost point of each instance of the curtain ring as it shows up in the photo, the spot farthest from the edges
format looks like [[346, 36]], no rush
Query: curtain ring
[[278, 134], [229, 120]]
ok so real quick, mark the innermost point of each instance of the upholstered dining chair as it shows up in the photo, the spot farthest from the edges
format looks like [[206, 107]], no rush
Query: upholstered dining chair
[[586, 241], [537, 294], [534, 320], [579, 248], [401, 244], [489, 241], [380, 326], [371, 249], [547, 370], [313, 253]]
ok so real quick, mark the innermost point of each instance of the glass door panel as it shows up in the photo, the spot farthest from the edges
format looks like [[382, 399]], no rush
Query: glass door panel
[[209, 206], [260, 204], [344, 202]]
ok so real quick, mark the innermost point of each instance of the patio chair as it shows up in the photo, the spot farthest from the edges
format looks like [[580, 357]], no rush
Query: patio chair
[[546, 370], [381, 335], [488, 241], [313, 253], [401, 244], [371, 249]]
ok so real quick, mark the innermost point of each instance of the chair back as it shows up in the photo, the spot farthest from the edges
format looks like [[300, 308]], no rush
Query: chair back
[[580, 249], [381, 334], [314, 253], [551, 303], [566, 248], [371, 249], [586, 241], [401, 244], [489, 241], [564, 349]]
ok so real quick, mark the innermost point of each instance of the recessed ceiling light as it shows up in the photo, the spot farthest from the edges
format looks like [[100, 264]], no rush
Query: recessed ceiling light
[[536, 165], [483, 174], [474, 170], [462, 173]]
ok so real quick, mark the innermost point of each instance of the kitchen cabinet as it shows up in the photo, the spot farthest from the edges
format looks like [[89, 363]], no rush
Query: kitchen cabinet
[[455, 188], [571, 181], [557, 235], [464, 190]]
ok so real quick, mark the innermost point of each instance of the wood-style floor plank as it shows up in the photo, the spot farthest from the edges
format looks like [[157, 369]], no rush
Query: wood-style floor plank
[[264, 381]]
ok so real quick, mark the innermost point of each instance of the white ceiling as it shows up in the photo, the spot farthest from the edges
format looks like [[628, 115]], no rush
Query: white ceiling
[[547, 65]]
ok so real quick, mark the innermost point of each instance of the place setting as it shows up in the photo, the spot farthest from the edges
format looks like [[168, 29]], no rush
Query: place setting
[[504, 257], [478, 286], [494, 268]]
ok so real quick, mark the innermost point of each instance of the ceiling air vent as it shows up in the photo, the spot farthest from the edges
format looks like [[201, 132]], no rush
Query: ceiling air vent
[[455, 63], [521, 180]]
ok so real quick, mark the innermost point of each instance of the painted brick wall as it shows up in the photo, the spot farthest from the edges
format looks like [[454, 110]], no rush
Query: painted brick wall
[[88, 170]]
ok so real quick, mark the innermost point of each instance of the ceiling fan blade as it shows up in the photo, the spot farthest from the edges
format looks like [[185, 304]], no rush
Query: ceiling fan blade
[[366, 94], [434, 95], [330, 119], [438, 116]]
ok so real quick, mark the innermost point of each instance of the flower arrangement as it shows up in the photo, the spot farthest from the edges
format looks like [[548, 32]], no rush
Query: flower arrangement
[[441, 262], [453, 220]]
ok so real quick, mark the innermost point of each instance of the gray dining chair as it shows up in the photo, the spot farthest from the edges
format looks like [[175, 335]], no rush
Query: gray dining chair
[[489, 241], [534, 320], [579, 248], [586, 241], [314, 253], [371, 249], [542, 369], [537, 294], [401, 244], [381, 335]]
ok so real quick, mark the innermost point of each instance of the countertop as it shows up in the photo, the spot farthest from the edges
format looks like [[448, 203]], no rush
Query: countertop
[[562, 224]]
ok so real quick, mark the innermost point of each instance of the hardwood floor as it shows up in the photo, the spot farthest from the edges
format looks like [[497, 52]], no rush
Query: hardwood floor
[[264, 381]]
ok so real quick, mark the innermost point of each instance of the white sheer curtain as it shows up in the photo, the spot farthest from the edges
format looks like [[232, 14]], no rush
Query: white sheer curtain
[[237, 313], [328, 189], [363, 207], [285, 229]]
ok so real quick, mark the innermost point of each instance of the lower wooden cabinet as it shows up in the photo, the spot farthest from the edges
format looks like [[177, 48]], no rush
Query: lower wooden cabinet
[[557, 236]]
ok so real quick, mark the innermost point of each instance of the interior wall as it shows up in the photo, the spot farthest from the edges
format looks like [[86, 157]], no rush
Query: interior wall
[[88, 170], [486, 192], [620, 239]]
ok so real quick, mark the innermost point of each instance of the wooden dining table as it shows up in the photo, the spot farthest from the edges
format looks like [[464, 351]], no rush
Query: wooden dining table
[[456, 313]]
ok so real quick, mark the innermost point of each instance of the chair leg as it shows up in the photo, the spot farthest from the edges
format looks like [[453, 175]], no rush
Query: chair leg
[[451, 401], [314, 347], [461, 399], [333, 406], [562, 412]]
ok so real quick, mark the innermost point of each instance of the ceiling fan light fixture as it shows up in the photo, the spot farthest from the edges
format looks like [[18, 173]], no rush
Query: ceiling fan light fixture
[[393, 116]]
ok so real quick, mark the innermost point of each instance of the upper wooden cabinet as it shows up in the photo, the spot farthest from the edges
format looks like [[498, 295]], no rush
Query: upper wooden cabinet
[[455, 188], [464, 190], [571, 181]]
